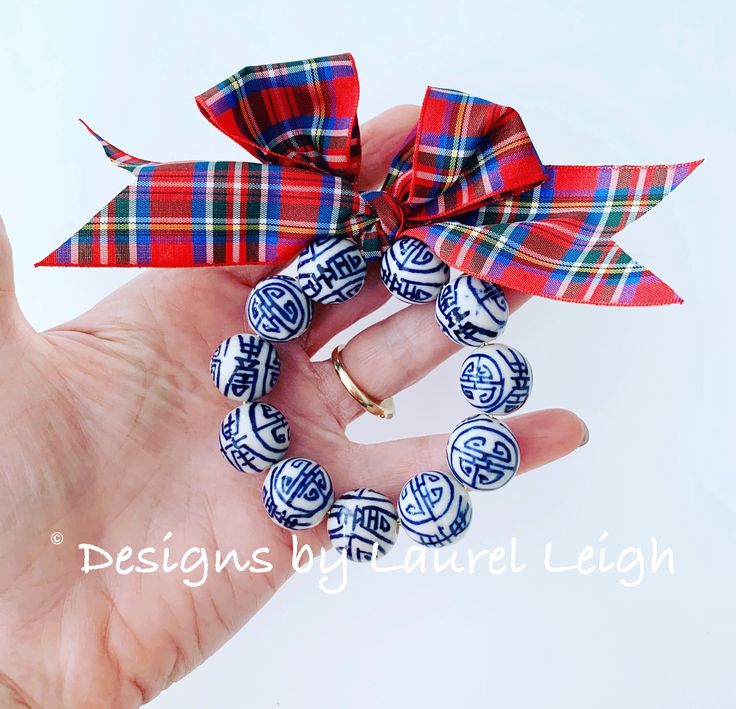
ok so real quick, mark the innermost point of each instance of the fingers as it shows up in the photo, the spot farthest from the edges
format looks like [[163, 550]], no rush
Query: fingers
[[11, 318], [543, 436], [394, 353], [381, 139]]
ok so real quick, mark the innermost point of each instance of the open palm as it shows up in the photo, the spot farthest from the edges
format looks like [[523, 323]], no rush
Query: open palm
[[109, 428]]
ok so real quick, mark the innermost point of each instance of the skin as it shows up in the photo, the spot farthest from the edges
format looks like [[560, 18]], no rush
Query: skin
[[109, 427]]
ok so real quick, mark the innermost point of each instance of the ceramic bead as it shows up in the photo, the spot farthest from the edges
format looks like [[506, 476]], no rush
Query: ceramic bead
[[358, 520], [483, 453], [278, 310], [471, 312], [254, 436], [496, 379], [297, 493], [412, 271], [245, 367], [434, 509], [331, 270]]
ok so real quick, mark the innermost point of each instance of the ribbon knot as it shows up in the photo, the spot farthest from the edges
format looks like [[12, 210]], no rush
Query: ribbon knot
[[386, 226], [468, 183]]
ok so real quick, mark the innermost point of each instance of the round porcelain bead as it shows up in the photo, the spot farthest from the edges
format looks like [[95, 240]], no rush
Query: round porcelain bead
[[331, 270], [297, 493], [412, 271], [254, 436], [483, 453], [278, 310], [434, 509], [496, 379], [471, 312], [244, 367], [358, 520]]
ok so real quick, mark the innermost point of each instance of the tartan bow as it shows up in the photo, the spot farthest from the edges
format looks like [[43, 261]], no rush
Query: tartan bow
[[468, 182]]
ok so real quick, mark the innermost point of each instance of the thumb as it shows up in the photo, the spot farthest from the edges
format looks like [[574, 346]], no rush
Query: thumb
[[11, 318]]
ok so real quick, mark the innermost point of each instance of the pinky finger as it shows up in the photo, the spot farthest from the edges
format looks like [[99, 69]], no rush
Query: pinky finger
[[543, 436]]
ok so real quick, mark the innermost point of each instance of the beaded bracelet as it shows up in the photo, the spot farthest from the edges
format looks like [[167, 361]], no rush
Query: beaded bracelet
[[433, 507]]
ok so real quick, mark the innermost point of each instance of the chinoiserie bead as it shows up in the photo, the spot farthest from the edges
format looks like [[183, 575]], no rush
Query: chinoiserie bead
[[297, 493], [254, 436], [496, 379], [245, 367], [434, 509], [358, 520], [483, 453], [471, 312], [412, 271], [278, 310], [331, 270]]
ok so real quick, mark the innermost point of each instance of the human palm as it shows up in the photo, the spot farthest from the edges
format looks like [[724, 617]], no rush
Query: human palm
[[109, 429]]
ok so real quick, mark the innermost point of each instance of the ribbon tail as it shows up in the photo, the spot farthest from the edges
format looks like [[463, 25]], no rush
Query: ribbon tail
[[117, 156], [104, 240], [212, 214], [547, 258], [601, 200], [556, 240]]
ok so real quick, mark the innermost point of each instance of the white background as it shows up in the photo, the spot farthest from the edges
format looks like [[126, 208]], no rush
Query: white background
[[595, 83]]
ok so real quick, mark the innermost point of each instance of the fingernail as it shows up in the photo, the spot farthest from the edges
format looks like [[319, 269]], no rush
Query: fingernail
[[586, 435]]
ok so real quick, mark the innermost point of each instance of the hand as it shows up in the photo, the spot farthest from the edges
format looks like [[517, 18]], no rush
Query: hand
[[109, 428]]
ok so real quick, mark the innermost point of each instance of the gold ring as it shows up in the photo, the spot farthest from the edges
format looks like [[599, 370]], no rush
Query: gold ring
[[383, 409]]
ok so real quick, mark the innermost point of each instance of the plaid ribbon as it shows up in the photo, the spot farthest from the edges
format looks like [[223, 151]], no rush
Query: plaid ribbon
[[467, 182]]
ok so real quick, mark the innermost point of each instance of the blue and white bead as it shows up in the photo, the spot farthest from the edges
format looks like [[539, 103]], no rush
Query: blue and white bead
[[471, 312], [297, 493], [278, 310], [254, 436], [483, 453], [496, 379], [412, 271], [434, 509], [360, 519], [245, 367], [331, 270]]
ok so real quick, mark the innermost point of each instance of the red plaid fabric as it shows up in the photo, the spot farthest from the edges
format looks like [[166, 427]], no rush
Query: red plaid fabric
[[465, 151], [556, 239], [297, 113], [211, 213], [468, 182]]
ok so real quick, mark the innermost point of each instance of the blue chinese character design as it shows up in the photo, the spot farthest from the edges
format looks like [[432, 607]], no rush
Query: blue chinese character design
[[253, 437], [483, 453], [412, 271], [434, 509], [278, 310], [496, 379], [297, 493], [331, 270], [244, 367], [471, 312], [360, 519]]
